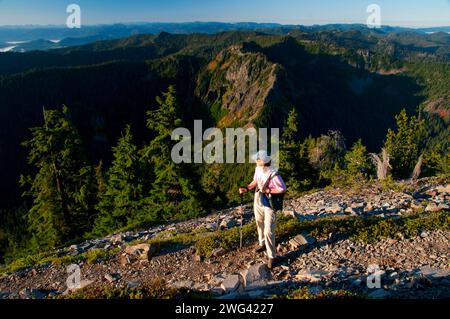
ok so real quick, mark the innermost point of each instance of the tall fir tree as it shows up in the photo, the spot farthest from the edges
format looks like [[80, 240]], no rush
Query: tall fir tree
[[126, 185], [173, 194], [294, 161], [62, 187]]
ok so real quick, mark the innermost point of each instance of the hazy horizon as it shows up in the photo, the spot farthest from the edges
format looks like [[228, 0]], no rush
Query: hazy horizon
[[224, 22], [401, 13]]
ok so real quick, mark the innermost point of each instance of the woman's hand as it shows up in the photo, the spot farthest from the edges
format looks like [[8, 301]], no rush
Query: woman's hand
[[243, 190]]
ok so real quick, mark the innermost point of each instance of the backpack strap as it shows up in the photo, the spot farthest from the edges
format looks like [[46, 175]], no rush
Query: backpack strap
[[272, 175]]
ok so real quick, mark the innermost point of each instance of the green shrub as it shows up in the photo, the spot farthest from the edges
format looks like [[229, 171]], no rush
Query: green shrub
[[205, 245], [304, 293]]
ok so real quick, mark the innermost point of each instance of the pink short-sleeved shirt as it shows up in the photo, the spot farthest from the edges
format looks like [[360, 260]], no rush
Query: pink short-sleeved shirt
[[276, 183]]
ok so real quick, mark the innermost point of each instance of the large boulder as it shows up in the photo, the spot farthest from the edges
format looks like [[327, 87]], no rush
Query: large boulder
[[134, 253], [231, 283], [255, 276]]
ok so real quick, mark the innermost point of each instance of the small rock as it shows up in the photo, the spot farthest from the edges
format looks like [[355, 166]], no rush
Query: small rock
[[83, 284], [116, 239], [227, 223], [231, 283], [310, 275], [432, 207], [218, 252], [352, 211], [188, 284], [125, 260], [443, 189], [301, 240], [290, 213], [211, 226], [333, 209], [112, 277], [133, 285], [217, 280], [432, 193], [198, 258], [415, 205]]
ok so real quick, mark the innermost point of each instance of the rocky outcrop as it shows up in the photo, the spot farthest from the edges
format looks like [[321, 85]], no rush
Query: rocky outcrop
[[237, 85]]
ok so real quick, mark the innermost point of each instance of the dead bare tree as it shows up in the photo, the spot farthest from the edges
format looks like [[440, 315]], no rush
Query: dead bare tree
[[417, 169], [382, 164]]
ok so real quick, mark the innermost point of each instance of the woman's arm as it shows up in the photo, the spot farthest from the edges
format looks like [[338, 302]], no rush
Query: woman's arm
[[252, 185], [249, 187]]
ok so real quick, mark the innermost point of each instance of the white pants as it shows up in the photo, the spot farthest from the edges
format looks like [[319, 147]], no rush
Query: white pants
[[265, 223]]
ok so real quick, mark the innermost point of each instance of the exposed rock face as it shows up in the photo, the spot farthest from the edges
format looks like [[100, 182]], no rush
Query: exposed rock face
[[241, 82]]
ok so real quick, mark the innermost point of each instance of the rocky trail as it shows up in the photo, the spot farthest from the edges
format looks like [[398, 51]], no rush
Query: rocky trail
[[415, 267]]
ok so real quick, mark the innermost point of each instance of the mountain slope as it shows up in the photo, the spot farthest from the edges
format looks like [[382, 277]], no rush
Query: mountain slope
[[369, 226]]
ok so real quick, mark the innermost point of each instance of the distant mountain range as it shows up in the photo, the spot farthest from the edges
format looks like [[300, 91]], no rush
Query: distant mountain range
[[27, 38]]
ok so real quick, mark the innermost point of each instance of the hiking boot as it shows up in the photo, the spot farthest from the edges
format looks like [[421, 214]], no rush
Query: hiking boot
[[271, 263], [260, 249]]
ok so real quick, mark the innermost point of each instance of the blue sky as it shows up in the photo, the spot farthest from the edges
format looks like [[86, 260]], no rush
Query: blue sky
[[415, 13]]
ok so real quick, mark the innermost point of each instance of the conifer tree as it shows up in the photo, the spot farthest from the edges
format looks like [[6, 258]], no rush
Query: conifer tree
[[61, 188], [405, 144], [121, 201], [294, 163], [173, 193], [357, 162]]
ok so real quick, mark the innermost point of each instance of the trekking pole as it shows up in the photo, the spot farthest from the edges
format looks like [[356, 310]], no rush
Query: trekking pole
[[242, 220]]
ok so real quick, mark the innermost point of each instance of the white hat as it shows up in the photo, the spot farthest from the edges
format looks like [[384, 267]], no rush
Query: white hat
[[262, 155]]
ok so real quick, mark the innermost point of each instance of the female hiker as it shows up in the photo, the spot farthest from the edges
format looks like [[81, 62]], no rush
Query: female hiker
[[270, 189]]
